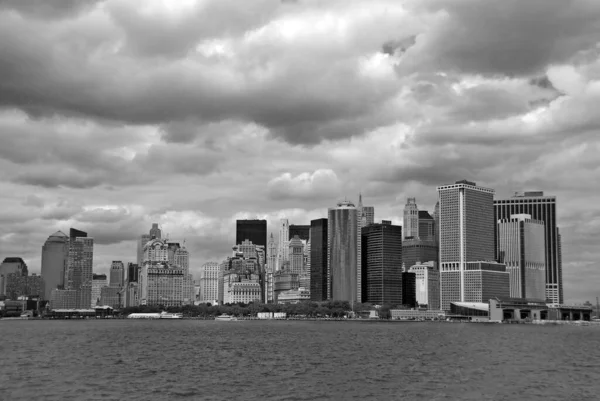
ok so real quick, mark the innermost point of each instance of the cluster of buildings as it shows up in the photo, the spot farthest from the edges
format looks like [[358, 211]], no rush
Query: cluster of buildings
[[473, 248]]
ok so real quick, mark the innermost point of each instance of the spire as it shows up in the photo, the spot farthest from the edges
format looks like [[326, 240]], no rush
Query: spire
[[360, 199]]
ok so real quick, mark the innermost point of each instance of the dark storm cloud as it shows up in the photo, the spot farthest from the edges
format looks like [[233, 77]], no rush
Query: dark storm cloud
[[392, 47], [44, 9]]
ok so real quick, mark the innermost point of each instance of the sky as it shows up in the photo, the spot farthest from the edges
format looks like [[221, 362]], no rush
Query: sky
[[192, 114]]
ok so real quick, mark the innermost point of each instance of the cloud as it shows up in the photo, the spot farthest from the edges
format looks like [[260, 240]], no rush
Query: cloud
[[322, 183]]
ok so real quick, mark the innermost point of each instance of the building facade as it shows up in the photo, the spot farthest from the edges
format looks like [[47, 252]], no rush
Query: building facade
[[78, 275], [160, 282], [98, 282], [365, 216], [283, 245], [342, 233], [409, 289], [296, 255], [411, 219], [117, 274], [209, 282], [252, 230], [10, 266], [302, 231], [521, 247], [467, 229], [318, 259], [415, 250], [55, 253], [543, 208], [18, 285], [382, 264], [427, 278]]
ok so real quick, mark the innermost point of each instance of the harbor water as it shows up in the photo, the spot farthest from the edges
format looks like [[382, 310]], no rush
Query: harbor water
[[296, 360]]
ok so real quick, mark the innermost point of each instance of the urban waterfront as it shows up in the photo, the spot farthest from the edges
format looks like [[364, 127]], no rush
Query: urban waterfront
[[295, 360]]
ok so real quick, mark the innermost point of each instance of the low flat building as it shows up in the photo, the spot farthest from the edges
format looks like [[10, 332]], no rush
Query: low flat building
[[400, 314], [294, 296], [473, 311]]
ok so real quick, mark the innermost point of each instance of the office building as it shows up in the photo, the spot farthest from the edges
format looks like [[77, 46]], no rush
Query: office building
[[543, 208], [318, 259], [64, 299], [411, 219], [436, 223], [416, 251], [302, 231], [155, 232], [244, 266], [521, 247], [252, 230], [209, 282], [11, 265], [409, 290], [283, 245], [19, 285], [111, 296], [132, 272], [117, 274], [160, 282], [382, 264], [427, 278], [426, 226], [98, 282], [296, 255], [342, 232], [467, 229], [365, 215], [482, 281], [78, 275], [55, 253]]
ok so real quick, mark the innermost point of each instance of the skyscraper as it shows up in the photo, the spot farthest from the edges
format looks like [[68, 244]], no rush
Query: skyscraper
[[78, 275], [382, 264], [98, 282], [55, 253], [426, 230], [411, 219], [467, 229], [253, 230], [318, 259], [117, 274], [365, 215], [296, 255], [415, 251], [284, 240], [542, 208], [521, 247], [342, 274], [155, 232], [302, 231], [209, 282]]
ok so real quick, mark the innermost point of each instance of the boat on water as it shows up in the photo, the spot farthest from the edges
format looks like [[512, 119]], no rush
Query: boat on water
[[162, 315], [225, 318]]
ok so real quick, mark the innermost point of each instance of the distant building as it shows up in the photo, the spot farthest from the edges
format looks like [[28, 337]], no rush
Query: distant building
[[252, 230], [294, 296], [342, 274], [98, 282], [159, 282], [483, 280], [55, 253], [426, 226], [243, 292], [415, 250], [132, 272], [11, 265], [283, 245], [382, 264], [117, 274], [427, 278], [467, 229], [318, 259], [78, 275], [542, 208], [209, 282], [283, 281], [111, 296], [521, 248], [18, 285], [409, 289], [365, 216], [155, 233], [244, 266], [64, 299], [302, 231], [411, 219], [296, 255]]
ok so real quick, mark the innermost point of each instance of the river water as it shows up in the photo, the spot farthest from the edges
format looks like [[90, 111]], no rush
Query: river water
[[281, 360]]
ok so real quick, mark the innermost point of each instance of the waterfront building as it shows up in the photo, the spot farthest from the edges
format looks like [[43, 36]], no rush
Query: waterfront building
[[243, 292], [11, 265], [209, 282], [98, 282], [298, 295], [54, 262], [302, 231], [342, 234], [19, 285], [521, 247], [117, 274], [365, 216], [78, 275], [155, 232], [482, 281], [244, 266], [160, 282], [270, 268], [415, 250], [382, 264], [427, 278], [411, 219], [64, 299], [543, 208], [410, 314], [131, 294], [467, 229], [409, 289], [284, 280], [318, 259], [252, 230], [284, 234], [111, 296]]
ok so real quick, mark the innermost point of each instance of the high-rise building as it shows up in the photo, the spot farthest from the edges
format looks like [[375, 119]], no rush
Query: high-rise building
[[467, 229], [411, 219], [416, 251], [117, 274], [19, 285], [55, 253], [111, 296], [521, 247], [132, 272], [296, 255], [318, 259], [209, 282], [342, 274], [155, 232], [365, 215], [284, 240], [98, 282], [270, 269], [302, 231], [543, 208], [409, 289], [436, 223], [482, 281], [11, 265], [427, 278], [252, 230], [382, 264], [426, 226], [159, 282]]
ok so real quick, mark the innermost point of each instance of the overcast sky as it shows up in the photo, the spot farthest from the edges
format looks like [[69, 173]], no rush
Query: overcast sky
[[192, 114]]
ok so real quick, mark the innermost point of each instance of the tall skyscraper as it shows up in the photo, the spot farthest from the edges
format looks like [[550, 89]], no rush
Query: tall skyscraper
[[296, 255], [132, 272], [117, 274], [284, 240], [521, 247], [55, 254], [159, 281], [542, 208], [11, 265], [253, 230], [98, 282], [155, 232], [78, 274], [426, 230], [409, 289], [342, 274], [302, 231], [436, 223], [415, 251], [382, 264], [365, 215], [467, 229], [318, 259], [411, 219]]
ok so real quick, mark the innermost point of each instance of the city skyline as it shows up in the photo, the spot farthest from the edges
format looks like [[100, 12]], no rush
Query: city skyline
[[107, 131]]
